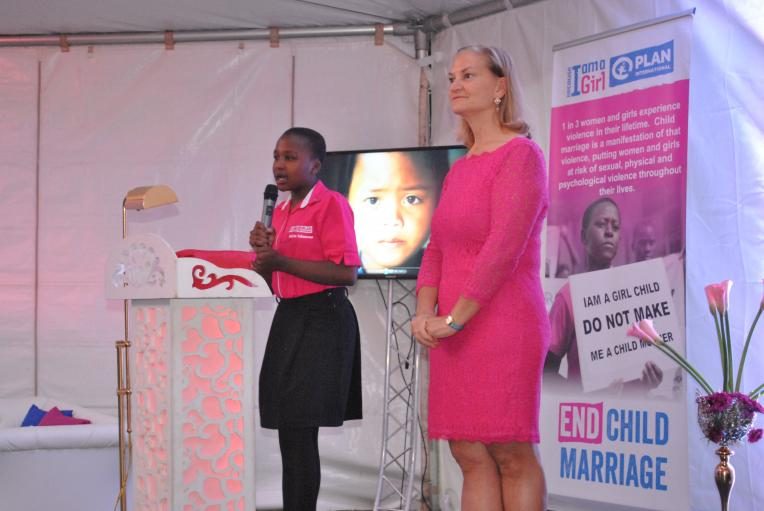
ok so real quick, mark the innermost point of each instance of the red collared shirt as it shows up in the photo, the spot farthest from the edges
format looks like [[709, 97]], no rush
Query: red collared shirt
[[319, 229]]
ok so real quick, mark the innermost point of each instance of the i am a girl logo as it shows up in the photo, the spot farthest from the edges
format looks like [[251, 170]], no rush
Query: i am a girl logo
[[599, 74]]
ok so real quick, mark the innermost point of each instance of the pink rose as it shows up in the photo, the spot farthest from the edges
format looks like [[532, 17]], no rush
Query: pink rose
[[750, 404], [715, 435], [646, 325], [717, 402], [711, 298], [718, 296], [755, 435], [635, 331], [726, 291]]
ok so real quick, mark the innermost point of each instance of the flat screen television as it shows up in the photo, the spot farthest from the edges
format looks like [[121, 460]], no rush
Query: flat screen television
[[393, 194]]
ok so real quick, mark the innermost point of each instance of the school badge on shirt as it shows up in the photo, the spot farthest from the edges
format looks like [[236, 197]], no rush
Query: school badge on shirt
[[301, 232]]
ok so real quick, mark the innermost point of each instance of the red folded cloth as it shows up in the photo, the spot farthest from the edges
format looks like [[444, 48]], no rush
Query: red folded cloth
[[221, 258], [54, 417]]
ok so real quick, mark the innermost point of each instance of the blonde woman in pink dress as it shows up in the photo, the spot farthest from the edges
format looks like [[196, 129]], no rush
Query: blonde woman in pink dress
[[480, 307]]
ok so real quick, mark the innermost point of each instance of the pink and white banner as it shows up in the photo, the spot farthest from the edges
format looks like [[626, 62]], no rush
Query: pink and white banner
[[614, 419]]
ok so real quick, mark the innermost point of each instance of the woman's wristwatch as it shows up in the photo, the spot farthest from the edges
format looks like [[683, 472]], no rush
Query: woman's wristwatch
[[453, 324]]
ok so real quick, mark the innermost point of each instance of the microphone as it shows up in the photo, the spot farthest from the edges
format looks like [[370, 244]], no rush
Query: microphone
[[270, 195]]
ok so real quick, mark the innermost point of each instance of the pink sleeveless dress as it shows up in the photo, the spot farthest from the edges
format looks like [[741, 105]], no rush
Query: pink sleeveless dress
[[485, 381]]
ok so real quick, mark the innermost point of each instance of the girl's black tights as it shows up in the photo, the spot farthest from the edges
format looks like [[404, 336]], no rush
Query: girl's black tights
[[301, 468]]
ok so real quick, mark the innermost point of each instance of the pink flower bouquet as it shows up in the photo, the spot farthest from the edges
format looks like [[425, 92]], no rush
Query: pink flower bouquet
[[727, 416]]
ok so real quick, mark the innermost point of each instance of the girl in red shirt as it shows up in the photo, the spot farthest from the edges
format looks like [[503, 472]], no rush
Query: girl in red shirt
[[311, 373]]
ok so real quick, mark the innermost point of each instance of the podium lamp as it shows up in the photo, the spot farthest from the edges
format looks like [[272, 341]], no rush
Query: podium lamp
[[143, 197]]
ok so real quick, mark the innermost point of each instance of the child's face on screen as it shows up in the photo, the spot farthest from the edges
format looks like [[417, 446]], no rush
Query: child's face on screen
[[393, 204]]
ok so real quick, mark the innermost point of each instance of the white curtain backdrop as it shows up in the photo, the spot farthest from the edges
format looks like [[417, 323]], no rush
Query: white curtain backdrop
[[18, 113], [725, 206], [202, 118]]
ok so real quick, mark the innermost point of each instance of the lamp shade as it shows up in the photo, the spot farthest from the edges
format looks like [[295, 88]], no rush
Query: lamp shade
[[147, 197]]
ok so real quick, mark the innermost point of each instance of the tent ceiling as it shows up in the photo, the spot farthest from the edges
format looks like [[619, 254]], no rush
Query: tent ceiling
[[100, 16]]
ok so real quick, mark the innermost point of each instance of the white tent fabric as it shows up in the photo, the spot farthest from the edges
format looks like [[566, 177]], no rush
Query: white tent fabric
[[18, 80], [725, 224], [50, 16], [203, 118]]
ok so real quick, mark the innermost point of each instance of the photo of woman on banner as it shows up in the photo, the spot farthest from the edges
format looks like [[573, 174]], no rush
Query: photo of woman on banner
[[393, 196], [600, 236]]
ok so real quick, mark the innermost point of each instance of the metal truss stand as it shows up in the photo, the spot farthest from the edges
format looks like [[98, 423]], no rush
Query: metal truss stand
[[400, 436]]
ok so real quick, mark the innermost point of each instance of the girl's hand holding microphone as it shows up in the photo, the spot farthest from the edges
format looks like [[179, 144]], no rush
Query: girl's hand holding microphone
[[261, 240], [260, 236]]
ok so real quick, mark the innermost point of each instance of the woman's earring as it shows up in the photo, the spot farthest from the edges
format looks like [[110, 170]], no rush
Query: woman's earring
[[497, 102]]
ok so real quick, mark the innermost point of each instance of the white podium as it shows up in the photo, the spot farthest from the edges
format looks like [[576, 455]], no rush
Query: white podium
[[193, 376]]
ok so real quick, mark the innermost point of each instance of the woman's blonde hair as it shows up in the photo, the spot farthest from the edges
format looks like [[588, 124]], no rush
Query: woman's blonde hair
[[500, 64]]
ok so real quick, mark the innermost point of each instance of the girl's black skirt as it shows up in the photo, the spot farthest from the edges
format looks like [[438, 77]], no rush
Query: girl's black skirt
[[311, 373]]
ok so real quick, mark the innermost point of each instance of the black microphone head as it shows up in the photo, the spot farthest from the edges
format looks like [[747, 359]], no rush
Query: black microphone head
[[271, 192]]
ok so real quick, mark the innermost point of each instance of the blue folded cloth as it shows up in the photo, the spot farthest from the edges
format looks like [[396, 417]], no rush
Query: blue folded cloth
[[34, 416]]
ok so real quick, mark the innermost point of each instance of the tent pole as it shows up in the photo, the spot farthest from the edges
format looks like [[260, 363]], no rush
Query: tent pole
[[422, 48], [429, 25], [194, 36]]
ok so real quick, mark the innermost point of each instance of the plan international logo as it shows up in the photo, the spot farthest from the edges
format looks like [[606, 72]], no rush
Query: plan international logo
[[639, 64]]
